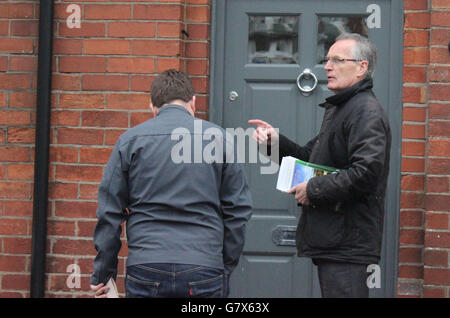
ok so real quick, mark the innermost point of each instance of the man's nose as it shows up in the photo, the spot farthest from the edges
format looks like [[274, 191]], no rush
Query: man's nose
[[328, 66]]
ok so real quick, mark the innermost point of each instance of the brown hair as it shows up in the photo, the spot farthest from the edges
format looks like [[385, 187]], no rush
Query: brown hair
[[169, 86]]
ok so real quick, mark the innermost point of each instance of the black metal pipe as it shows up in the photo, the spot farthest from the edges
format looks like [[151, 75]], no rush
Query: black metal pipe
[[42, 147]]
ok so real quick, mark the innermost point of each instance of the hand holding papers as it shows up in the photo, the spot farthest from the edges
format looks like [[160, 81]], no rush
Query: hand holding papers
[[294, 171], [112, 292]]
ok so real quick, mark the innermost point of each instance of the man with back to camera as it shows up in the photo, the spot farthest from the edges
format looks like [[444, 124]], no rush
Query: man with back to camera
[[186, 221], [341, 225]]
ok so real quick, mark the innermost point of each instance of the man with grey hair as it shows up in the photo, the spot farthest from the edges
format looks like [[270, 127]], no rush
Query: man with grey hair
[[341, 225]]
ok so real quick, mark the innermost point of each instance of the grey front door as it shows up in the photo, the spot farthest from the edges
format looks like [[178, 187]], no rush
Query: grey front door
[[260, 49]]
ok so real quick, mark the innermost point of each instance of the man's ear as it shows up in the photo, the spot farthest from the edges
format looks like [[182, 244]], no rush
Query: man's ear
[[364, 65], [192, 101], [154, 109]]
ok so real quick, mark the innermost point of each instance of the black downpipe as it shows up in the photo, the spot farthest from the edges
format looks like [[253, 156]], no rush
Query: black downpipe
[[42, 147]]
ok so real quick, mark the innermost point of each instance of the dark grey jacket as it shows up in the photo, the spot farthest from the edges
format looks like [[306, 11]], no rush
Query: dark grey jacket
[[189, 213], [344, 221]]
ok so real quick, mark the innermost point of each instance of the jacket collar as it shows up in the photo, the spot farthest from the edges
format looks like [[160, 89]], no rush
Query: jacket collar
[[344, 95], [171, 108]]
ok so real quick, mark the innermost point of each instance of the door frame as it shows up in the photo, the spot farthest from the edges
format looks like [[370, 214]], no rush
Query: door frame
[[395, 114]]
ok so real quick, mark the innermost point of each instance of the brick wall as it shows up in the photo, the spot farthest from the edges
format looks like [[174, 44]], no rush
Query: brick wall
[[102, 74], [424, 268]]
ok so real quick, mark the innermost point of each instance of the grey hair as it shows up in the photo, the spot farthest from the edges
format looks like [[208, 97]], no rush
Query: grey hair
[[364, 49]]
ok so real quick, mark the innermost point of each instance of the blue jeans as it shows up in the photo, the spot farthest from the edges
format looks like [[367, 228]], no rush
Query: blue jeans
[[155, 280]]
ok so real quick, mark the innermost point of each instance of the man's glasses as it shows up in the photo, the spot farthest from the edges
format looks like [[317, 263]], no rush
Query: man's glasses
[[337, 60]]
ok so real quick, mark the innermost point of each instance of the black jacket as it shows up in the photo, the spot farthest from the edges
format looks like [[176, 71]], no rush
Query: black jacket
[[344, 221]]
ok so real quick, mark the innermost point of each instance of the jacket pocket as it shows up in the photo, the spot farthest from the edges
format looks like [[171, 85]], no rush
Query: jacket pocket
[[323, 227]]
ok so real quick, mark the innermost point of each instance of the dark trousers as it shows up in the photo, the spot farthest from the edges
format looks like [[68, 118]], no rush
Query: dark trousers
[[156, 280], [342, 280]]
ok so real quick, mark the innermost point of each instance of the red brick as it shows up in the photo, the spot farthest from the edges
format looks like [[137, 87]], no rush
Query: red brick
[[107, 46], [66, 82], [201, 103], [16, 245], [24, 28], [2, 99], [198, 14], [434, 257], [107, 12], [197, 49], [86, 229], [60, 190], [65, 118], [410, 200], [80, 136], [15, 81], [22, 99], [88, 191], [13, 226], [439, 73], [414, 94], [417, 114], [95, 155], [439, 129], [131, 29], [433, 292], [415, 5], [156, 47], [75, 209], [20, 171], [4, 27], [198, 31], [104, 119], [81, 64], [410, 271], [439, 55], [439, 36], [131, 65], [16, 10], [438, 166], [409, 288], [411, 236], [14, 117], [169, 29], [128, 101], [438, 184], [74, 247], [437, 221], [413, 131], [440, 18], [416, 56], [14, 154], [111, 136], [14, 190], [105, 82], [168, 63], [64, 154], [67, 46], [439, 92], [16, 282], [411, 218], [412, 183], [66, 228], [413, 148], [439, 111], [410, 255], [16, 45], [414, 74], [437, 276], [197, 67], [79, 173], [23, 63], [437, 202], [21, 135], [156, 12], [417, 20], [141, 83], [12, 263], [18, 208], [88, 29], [80, 101]]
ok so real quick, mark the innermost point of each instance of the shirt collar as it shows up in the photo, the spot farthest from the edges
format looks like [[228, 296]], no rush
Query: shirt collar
[[172, 107]]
